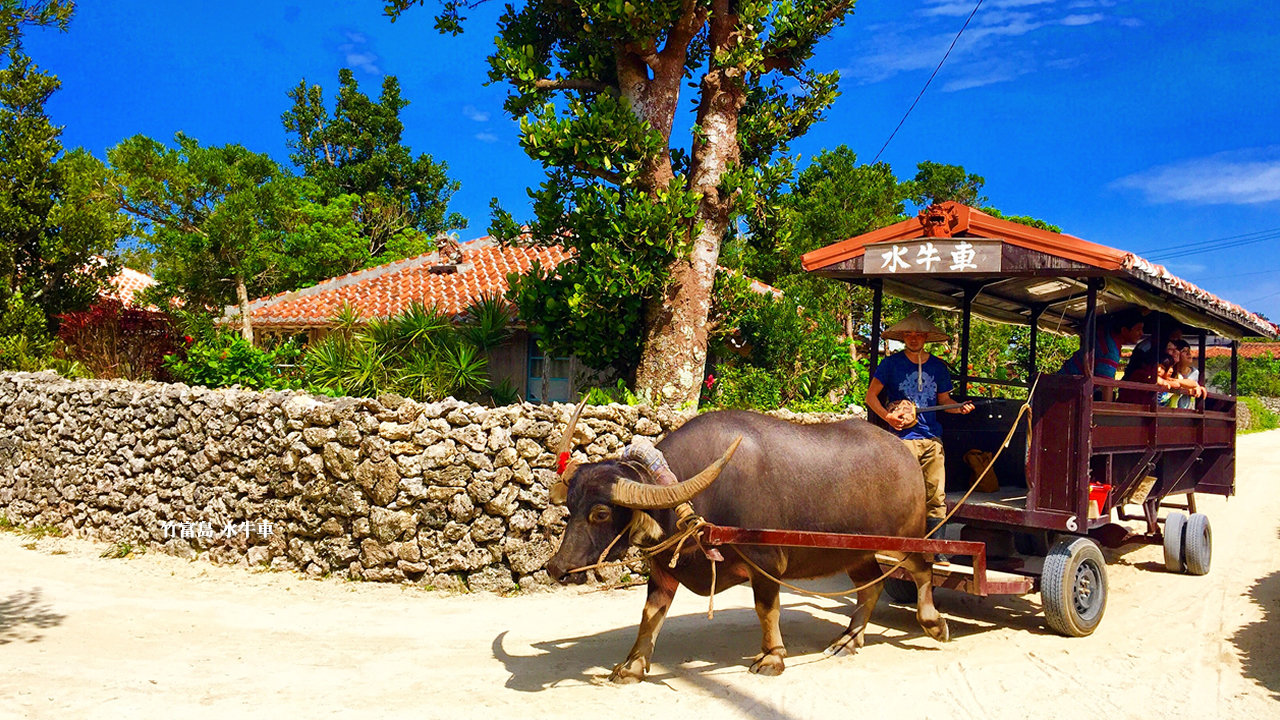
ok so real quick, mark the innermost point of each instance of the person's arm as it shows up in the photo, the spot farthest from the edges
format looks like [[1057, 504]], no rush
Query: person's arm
[[873, 404], [944, 398]]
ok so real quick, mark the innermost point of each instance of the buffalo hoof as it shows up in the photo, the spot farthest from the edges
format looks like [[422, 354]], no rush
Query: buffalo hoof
[[939, 631], [628, 673], [844, 646], [770, 664]]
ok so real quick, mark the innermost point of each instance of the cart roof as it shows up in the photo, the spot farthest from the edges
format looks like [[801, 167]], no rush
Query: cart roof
[[1013, 270]]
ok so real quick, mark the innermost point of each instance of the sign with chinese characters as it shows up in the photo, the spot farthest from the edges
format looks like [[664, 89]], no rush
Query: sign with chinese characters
[[932, 255]]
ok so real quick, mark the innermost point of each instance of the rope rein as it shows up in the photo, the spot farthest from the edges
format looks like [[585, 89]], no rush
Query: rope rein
[[690, 524]]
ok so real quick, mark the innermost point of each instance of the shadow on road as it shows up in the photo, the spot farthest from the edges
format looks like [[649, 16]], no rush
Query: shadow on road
[[23, 614], [696, 649], [1258, 641]]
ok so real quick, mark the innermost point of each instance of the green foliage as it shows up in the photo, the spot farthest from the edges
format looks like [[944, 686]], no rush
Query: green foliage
[[355, 157], [54, 221], [1258, 376], [937, 183], [1023, 220], [619, 394], [225, 358], [419, 354], [773, 352], [1259, 416]]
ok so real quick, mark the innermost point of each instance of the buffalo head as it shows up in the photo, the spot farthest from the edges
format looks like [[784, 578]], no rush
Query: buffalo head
[[606, 500]]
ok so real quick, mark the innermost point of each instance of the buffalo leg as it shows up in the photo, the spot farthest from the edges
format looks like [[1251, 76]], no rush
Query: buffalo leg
[[662, 588], [935, 626], [769, 610], [855, 635]]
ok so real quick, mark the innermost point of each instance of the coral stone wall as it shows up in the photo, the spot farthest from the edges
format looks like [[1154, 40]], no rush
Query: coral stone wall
[[447, 494]]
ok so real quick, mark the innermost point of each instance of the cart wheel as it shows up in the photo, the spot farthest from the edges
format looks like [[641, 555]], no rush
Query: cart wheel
[[1174, 543], [1198, 546], [900, 591], [1073, 588]]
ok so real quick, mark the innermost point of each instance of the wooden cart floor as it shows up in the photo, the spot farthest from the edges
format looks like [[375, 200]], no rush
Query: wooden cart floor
[[1013, 497]]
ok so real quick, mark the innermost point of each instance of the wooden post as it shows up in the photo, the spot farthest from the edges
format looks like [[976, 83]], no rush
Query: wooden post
[[1036, 312], [877, 296], [1235, 364], [1089, 341], [969, 294]]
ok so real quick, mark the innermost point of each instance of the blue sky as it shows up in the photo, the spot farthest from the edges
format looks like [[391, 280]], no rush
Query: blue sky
[[1145, 125]]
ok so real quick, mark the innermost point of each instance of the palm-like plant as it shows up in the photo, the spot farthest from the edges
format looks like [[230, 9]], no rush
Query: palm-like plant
[[488, 322]]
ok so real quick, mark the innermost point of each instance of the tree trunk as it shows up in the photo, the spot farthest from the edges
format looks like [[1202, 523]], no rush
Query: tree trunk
[[674, 358], [242, 294]]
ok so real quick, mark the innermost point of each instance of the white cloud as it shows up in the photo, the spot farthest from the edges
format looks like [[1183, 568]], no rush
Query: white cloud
[[1243, 177], [996, 31], [472, 113], [1078, 20], [356, 54], [486, 137]]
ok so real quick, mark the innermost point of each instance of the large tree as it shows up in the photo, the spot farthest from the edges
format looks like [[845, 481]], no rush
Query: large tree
[[55, 225], [356, 157], [596, 86], [215, 216]]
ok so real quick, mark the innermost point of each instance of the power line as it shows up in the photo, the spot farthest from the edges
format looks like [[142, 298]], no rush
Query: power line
[[1215, 246], [1201, 243], [926, 82]]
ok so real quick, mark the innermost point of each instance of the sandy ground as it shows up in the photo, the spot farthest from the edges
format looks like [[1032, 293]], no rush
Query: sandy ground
[[154, 636]]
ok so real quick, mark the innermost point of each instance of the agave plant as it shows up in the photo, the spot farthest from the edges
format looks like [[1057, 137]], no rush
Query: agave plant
[[419, 324], [488, 322], [464, 370]]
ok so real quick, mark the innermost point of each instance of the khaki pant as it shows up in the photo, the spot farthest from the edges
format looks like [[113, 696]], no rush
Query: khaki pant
[[929, 453]]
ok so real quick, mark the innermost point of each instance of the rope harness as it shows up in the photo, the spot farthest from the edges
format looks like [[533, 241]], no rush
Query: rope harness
[[689, 524]]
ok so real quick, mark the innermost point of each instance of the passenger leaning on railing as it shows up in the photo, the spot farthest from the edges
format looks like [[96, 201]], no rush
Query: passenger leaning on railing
[[1183, 379], [1116, 330], [1144, 363]]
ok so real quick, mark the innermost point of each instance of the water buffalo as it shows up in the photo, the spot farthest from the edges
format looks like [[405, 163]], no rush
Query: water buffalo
[[848, 477]]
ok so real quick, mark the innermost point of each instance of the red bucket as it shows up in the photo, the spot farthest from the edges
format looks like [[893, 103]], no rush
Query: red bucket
[[1098, 498]]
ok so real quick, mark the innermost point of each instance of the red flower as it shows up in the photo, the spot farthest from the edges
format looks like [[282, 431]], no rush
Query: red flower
[[711, 380], [188, 339]]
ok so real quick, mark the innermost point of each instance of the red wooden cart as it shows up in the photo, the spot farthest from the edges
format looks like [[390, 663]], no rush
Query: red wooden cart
[[1089, 472]]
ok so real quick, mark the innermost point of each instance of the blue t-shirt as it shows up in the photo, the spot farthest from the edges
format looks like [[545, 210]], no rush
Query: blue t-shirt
[[903, 379], [1106, 358]]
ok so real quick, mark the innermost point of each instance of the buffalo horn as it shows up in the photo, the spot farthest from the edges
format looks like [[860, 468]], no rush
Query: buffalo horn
[[641, 496], [560, 489]]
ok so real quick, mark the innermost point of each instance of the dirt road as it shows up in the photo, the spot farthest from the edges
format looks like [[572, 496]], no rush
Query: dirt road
[[150, 637]]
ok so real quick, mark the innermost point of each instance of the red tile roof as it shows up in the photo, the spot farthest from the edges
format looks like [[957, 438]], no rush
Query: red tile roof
[[386, 290], [128, 283], [1247, 350]]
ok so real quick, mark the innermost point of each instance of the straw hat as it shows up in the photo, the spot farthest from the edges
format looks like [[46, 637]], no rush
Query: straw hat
[[915, 322]]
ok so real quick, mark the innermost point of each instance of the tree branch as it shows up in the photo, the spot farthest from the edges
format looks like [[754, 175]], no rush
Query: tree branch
[[677, 47], [606, 175], [571, 84]]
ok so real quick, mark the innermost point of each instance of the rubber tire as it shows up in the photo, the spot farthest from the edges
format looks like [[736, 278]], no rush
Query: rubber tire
[[1073, 587], [902, 592], [1175, 554], [1197, 548]]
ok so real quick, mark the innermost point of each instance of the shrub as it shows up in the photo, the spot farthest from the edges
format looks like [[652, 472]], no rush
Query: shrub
[[111, 340], [419, 353], [1256, 376], [225, 358], [1258, 417], [772, 352]]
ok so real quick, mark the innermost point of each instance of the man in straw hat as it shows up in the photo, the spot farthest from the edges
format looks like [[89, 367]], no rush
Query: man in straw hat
[[917, 377]]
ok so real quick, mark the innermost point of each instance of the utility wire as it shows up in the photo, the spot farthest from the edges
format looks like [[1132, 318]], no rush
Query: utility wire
[[1201, 243], [1215, 246], [926, 82]]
